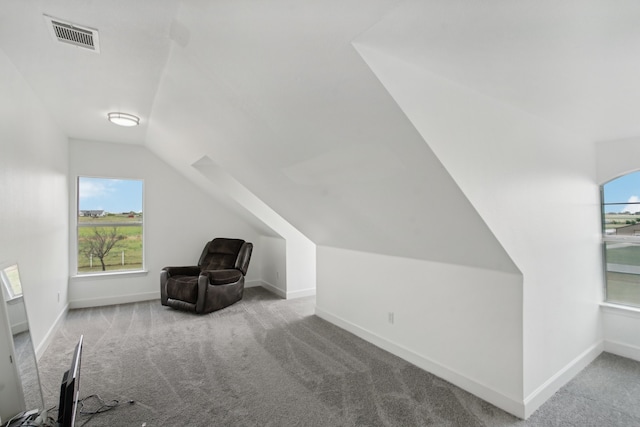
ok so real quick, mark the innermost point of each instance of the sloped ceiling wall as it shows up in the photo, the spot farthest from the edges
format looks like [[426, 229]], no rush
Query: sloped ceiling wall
[[276, 90], [520, 170], [278, 96]]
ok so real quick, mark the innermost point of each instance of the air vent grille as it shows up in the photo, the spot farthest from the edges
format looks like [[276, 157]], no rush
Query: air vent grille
[[66, 32]]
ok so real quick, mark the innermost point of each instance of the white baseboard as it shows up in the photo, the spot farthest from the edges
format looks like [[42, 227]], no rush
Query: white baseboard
[[280, 292], [621, 326], [146, 296], [507, 403], [622, 349], [253, 283], [273, 289], [44, 344], [301, 293], [120, 299], [560, 379]]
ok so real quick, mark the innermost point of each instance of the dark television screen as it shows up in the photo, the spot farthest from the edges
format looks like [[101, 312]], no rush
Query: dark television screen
[[70, 389]]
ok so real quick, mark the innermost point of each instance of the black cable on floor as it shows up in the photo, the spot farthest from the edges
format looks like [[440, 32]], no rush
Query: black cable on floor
[[104, 407]]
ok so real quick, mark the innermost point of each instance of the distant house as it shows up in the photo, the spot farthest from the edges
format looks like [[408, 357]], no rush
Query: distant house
[[92, 213], [628, 230]]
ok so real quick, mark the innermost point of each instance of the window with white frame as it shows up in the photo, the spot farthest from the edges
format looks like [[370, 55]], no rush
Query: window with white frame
[[110, 225], [621, 239], [11, 278]]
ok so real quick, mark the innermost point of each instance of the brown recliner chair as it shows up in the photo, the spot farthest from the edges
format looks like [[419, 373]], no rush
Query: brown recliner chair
[[216, 282]]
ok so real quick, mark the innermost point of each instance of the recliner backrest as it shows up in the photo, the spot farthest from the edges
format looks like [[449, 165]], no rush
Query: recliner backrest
[[220, 253]]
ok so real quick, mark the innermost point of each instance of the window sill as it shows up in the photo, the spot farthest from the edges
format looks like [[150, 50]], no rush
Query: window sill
[[619, 309], [14, 300], [108, 275]]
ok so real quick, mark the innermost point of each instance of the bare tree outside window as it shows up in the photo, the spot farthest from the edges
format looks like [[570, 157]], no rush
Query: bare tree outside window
[[100, 243]]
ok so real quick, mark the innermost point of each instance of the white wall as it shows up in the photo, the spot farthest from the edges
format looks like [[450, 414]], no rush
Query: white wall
[[274, 264], [179, 220], [617, 158], [621, 326], [33, 214], [535, 187], [206, 145], [301, 266], [463, 324], [622, 331], [300, 254], [17, 316], [348, 173]]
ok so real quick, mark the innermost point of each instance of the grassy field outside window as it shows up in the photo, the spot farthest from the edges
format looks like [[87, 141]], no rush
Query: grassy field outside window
[[126, 254]]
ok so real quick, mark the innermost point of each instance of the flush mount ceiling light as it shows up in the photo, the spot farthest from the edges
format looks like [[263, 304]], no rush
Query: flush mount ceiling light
[[123, 119]]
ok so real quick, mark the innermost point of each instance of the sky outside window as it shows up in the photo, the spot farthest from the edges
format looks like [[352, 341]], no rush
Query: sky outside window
[[624, 190], [109, 195]]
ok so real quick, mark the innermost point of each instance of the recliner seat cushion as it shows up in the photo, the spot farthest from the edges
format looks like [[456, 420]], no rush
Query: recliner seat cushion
[[223, 277], [183, 288]]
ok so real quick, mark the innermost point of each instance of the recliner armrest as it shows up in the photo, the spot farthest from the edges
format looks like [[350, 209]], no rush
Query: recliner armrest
[[183, 271], [222, 277], [242, 262]]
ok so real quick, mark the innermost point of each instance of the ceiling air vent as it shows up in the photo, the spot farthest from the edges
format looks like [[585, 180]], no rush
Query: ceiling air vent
[[66, 32]]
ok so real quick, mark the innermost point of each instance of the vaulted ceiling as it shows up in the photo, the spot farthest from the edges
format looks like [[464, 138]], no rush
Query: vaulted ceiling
[[277, 94]]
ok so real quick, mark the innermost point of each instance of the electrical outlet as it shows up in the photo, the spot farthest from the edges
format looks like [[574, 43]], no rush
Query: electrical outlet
[[390, 317]]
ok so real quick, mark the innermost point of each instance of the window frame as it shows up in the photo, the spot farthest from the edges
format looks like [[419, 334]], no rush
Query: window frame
[[6, 281], [614, 238], [76, 215]]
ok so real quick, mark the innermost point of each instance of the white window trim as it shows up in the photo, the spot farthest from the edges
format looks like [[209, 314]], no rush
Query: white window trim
[[613, 238], [626, 310], [109, 274]]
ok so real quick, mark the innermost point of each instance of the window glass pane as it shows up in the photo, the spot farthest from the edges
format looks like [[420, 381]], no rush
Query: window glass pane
[[621, 230], [110, 225], [622, 205], [623, 272], [11, 279]]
